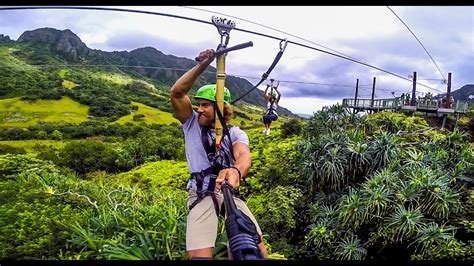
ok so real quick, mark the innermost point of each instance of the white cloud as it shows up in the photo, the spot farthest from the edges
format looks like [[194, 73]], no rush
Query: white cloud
[[303, 105]]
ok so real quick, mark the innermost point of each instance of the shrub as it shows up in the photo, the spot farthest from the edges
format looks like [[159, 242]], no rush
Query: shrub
[[4, 149], [292, 127], [86, 156]]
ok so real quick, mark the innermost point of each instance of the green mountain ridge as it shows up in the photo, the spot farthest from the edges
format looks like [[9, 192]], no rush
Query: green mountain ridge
[[68, 48], [463, 93]]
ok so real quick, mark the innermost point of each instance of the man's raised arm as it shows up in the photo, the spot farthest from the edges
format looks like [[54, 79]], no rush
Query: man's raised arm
[[180, 101]]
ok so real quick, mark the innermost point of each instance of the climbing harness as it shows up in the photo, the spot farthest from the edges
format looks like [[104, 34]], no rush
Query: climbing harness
[[283, 44], [217, 163], [271, 109]]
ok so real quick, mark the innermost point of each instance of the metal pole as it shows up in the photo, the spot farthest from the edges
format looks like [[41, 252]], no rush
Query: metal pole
[[356, 93], [373, 94], [413, 94], [449, 85]]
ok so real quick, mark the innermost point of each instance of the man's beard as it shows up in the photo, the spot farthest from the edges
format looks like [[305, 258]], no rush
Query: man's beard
[[204, 120]]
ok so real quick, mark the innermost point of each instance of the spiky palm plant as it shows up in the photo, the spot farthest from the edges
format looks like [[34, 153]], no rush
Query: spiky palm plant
[[441, 203], [454, 143], [405, 223], [436, 156], [383, 149], [331, 167], [350, 248], [414, 157], [382, 177], [431, 235], [322, 214], [378, 201], [390, 124], [333, 118], [358, 158], [308, 157], [408, 193], [351, 209]]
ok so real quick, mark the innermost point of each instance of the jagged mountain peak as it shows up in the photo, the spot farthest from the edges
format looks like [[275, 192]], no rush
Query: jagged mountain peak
[[146, 49], [47, 35], [62, 41]]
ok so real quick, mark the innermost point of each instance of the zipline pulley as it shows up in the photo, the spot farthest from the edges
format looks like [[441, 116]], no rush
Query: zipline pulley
[[224, 26]]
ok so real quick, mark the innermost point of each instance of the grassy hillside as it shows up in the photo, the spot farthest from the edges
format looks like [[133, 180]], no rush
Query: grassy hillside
[[6, 53], [17, 113], [164, 173], [150, 115], [29, 145]]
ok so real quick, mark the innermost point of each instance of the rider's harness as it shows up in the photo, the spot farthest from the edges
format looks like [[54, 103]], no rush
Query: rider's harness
[[271, 109], [217, 162]]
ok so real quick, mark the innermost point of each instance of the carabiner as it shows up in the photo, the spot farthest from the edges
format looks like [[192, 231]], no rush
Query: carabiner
[[224, 43], [284, 45]]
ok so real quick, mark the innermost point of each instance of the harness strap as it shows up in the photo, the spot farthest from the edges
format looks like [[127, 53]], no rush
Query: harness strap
[[227, 132], [202, 196], [265, 75], [199, 177], [211, 170]]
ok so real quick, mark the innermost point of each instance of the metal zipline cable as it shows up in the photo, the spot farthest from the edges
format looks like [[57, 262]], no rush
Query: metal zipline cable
[[255, 23], [206, 71], [361, 87], [418, 42], [210, 23]]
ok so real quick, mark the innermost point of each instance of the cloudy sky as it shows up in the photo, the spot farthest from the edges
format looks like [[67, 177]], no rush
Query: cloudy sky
[[309, 79]]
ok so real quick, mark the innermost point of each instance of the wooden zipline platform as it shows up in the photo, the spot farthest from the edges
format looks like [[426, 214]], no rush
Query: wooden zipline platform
[[426, 106]]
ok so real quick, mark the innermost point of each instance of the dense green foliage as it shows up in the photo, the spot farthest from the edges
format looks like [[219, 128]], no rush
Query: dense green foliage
[[292, 127], [50, 214], [386, 186]]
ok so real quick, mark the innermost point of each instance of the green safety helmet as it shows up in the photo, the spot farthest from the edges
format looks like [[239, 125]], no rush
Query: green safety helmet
[[208, 92]]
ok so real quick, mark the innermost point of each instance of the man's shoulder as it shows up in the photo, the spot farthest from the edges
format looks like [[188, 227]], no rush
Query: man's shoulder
[[234, 127], [236, 131], [192, 121]]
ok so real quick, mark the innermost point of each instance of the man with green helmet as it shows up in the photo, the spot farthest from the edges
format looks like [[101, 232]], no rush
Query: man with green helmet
[[204, 196]]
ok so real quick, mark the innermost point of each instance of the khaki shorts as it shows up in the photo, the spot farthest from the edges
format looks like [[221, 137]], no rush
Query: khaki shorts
[[202, 222]]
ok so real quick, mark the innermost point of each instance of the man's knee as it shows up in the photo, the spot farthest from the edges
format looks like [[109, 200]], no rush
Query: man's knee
[[263, 248], [203, 253]]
